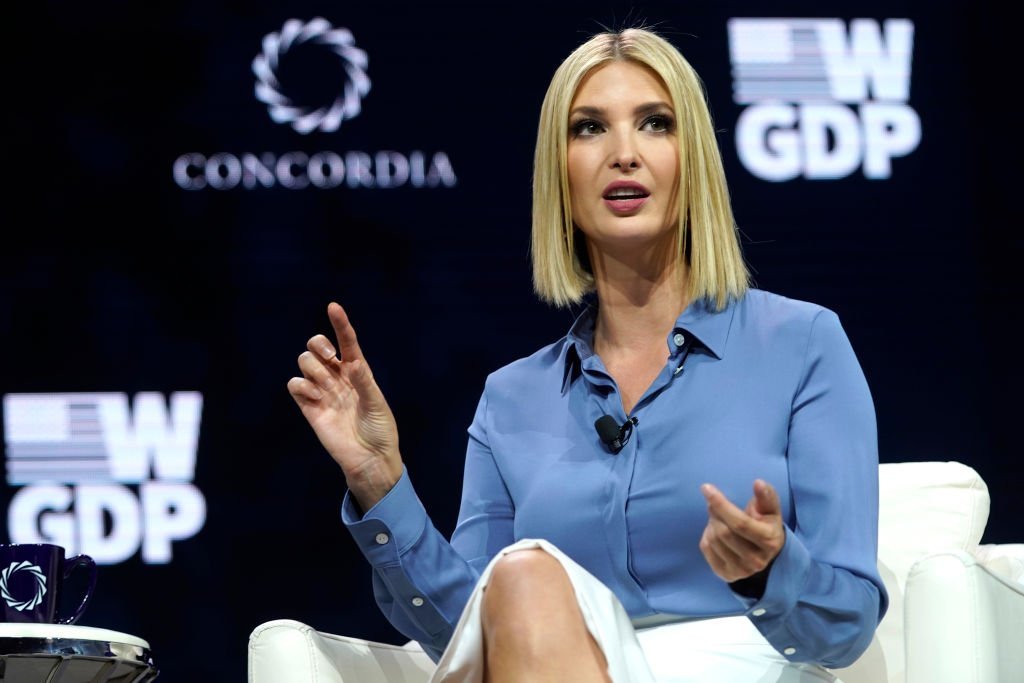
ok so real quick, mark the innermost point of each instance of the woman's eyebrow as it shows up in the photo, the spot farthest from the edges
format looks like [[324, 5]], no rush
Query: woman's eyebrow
[[587, 111], [651, 107], [640, 110]]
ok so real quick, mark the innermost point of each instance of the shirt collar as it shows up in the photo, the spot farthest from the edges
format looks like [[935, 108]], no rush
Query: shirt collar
[[710, 328]]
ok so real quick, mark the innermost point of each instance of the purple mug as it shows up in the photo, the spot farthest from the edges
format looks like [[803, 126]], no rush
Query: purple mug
[[31, 580]]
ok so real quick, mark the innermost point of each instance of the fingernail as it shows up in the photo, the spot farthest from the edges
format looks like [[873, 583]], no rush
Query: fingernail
[[317, 395], [326, 352], [707, 489]]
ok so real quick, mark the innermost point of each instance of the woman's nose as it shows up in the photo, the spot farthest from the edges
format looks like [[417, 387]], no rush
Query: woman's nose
[[623, 154]]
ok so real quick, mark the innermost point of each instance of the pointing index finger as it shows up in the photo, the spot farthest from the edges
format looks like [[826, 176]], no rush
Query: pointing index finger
[[346, 334]]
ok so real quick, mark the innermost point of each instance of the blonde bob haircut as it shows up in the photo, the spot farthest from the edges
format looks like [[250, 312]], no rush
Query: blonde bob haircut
[[707, 236]]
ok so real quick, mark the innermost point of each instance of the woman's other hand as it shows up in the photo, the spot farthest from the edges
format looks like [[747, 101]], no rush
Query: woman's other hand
[[741, 543], [348, 412]]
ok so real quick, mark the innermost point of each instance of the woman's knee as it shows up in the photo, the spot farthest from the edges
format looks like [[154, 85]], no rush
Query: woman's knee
[[531, 619], [527, 580]]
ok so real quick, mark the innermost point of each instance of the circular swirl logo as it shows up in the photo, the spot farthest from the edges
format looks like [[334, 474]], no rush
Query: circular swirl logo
[[339, 42], [34, 574]]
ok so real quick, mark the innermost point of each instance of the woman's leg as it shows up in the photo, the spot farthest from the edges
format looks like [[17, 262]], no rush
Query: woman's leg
[[533, 628]]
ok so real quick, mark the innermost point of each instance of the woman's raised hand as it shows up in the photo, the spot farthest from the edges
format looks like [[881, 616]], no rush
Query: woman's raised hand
[[741, 543], [346, 409]]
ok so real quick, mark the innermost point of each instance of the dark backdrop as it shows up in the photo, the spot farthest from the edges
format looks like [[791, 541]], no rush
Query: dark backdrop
[[114, 278]]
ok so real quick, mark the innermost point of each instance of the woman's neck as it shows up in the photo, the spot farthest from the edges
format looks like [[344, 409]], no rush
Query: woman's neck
[[639, 300]]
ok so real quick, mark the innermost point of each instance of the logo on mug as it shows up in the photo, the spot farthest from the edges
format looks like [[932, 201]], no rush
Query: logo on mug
[[8, 575], [324, 38]]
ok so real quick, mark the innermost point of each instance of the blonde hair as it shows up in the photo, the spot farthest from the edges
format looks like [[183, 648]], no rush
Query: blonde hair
[[707, 236]]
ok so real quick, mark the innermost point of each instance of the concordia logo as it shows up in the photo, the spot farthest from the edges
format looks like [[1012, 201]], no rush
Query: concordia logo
[[822, 100], [74, 456], [297, 170], [340, 41]]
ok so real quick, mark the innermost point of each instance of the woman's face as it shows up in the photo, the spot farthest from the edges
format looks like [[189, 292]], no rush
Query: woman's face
[[623, 159]]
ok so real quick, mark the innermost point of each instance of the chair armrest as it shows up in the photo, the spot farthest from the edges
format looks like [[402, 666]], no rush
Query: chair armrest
[[287, 651], [963, 623]]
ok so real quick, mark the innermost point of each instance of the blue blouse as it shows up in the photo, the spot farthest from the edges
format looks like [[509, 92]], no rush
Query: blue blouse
[[769, 387]]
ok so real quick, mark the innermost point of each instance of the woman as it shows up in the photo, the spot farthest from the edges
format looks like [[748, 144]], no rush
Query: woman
[[623, 553]]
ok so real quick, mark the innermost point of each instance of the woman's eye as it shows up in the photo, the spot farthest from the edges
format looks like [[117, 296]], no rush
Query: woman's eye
[[586, 127], [658, 123]]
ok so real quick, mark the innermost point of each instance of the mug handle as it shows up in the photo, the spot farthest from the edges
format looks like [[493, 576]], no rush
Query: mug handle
[[70, 565]]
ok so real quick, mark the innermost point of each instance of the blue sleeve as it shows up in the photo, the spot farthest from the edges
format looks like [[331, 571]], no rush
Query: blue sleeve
[[824, 598], [421, 582]]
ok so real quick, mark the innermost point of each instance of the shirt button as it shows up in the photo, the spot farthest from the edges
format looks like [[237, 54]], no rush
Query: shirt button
[[382, 539], [417, 601], [759, 611], [789, 651], [678, 339]]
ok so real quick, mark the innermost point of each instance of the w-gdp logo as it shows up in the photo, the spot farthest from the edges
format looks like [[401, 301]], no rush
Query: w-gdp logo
[[102, 477], [337, 42], [822, 99]]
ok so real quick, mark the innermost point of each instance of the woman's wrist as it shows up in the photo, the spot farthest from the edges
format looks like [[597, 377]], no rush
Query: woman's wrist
[[371, 484], [753, 586]]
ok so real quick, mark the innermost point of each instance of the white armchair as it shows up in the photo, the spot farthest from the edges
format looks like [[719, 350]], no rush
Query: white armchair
[[956, 612]]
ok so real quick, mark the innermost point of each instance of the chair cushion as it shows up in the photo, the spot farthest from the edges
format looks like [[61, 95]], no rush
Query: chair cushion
[[928, 507], [1005, 560], [923, 508], [288, 651]]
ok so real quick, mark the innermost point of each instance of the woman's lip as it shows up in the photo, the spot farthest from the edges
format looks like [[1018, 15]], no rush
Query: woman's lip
[[625, 206], [627, 184]]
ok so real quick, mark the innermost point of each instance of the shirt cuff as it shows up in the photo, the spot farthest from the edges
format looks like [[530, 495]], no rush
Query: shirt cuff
[[390, 527], [785, 579]]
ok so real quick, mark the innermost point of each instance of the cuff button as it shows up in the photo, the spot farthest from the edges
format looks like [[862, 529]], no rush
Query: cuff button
[[382, 539]]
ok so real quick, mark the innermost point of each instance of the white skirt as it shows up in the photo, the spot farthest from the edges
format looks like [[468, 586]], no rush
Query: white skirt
[[723, 649]]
